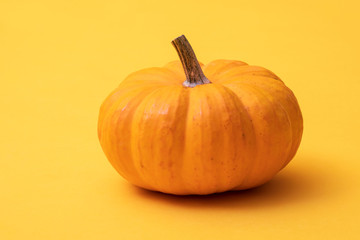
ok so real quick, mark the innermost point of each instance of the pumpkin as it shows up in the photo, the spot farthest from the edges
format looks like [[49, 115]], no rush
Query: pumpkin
[[188, 128]]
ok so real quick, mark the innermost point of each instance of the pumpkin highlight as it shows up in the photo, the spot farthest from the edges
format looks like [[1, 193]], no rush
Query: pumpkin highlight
[[188, 128]]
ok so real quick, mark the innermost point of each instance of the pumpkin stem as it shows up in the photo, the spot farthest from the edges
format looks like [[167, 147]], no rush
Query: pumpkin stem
[[192, 68]]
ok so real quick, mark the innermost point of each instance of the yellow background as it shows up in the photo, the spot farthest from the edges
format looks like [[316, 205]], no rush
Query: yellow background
[[60, 59]]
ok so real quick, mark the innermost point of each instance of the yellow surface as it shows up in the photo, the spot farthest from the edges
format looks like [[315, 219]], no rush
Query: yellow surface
[[60, 59]]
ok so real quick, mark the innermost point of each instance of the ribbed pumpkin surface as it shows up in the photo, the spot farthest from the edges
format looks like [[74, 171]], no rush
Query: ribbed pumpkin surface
[[232, 134]]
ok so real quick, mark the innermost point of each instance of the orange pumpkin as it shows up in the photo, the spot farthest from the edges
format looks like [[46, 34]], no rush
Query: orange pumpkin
[[188, 128]]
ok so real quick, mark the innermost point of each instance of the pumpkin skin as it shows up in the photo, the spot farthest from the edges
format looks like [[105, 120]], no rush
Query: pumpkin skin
[[235, 133]]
